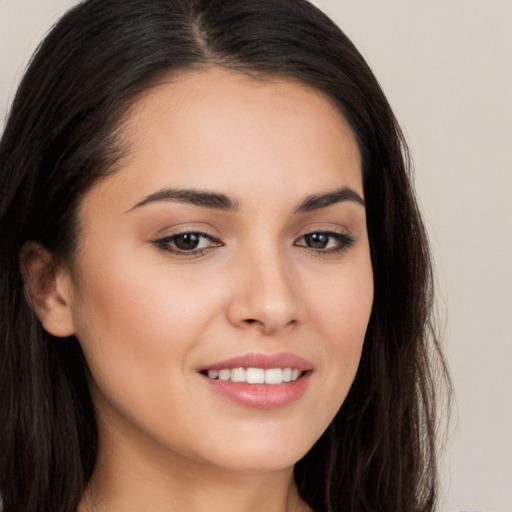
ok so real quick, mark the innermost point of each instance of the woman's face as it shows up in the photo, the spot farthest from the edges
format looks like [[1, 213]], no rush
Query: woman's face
[[233, 236]]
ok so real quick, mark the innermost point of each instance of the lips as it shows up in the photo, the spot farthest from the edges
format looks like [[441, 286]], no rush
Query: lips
[[265, 361], [264, 381]]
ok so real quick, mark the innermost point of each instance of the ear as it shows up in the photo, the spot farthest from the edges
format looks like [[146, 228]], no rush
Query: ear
[[48, 289]]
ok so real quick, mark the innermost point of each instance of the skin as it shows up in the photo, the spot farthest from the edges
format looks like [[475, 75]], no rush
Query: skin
[[148, 318]]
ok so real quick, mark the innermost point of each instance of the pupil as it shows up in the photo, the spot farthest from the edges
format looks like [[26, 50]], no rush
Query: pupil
[[187, 241], [317, 240]]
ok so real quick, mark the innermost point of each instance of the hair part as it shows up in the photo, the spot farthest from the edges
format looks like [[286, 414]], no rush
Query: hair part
[[64, 134]]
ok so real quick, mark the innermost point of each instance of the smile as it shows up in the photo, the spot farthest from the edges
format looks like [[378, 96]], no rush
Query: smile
[[262, 381], [271, 376]]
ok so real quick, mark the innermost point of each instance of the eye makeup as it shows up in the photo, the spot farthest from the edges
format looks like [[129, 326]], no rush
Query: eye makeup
[[195, 243], [187, 244], [326, 242]]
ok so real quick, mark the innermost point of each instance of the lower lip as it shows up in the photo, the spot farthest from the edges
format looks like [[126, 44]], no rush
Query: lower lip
[[261, 396]]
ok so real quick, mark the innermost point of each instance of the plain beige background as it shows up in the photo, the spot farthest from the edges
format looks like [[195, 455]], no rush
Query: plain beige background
[[446, 67]]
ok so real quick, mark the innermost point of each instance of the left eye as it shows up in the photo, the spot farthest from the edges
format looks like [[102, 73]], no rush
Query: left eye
[[190, 242], [326, 241]]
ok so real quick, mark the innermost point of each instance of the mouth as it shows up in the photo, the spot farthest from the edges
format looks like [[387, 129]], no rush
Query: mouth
[[264, 381]]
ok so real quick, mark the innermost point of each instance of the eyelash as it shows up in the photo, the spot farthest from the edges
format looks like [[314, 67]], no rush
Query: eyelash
[[344, 242], [165, 244]]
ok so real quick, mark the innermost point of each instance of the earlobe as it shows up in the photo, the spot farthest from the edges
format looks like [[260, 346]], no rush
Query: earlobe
[[47, 289]]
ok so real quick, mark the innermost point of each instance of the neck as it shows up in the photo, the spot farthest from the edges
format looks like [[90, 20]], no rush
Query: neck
[[193, 491]]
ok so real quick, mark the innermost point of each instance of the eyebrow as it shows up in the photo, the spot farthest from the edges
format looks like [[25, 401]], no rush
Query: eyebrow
[[219, 201], [190, 196], [318, 201]]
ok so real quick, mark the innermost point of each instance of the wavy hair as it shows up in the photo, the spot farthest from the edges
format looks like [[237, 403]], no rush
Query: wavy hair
[[380, 451]]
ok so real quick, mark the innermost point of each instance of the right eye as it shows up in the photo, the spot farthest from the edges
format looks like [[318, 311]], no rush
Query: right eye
[[190, 243]]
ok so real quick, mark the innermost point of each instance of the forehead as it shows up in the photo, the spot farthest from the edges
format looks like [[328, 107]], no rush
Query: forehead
[[224, 130]]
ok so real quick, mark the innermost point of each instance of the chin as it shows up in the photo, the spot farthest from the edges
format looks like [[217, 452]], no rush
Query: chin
[[263, 453]]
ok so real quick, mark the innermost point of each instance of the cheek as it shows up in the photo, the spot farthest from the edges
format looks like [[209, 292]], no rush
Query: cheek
[[129, 296], [342, 313], [342, 301], [136, 319], [140, 328]]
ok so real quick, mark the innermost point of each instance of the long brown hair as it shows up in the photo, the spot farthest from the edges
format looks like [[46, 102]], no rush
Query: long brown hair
[[379, 453]]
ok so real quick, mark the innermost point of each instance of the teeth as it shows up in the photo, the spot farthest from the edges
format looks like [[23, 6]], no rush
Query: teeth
[[256, 375], [287, 374], [224, 374], [273, 376], [237, 375]]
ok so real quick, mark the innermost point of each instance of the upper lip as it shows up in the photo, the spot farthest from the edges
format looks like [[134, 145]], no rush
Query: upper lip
[[260, 360]]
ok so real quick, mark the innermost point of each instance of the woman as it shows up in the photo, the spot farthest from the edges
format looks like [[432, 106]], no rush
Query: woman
[[216, 283]]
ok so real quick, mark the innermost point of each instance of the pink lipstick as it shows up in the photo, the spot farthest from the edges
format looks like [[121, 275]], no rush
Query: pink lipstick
[[265, 381]]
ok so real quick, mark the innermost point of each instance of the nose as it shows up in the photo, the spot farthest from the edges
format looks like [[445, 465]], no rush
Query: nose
[[265, 297]]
